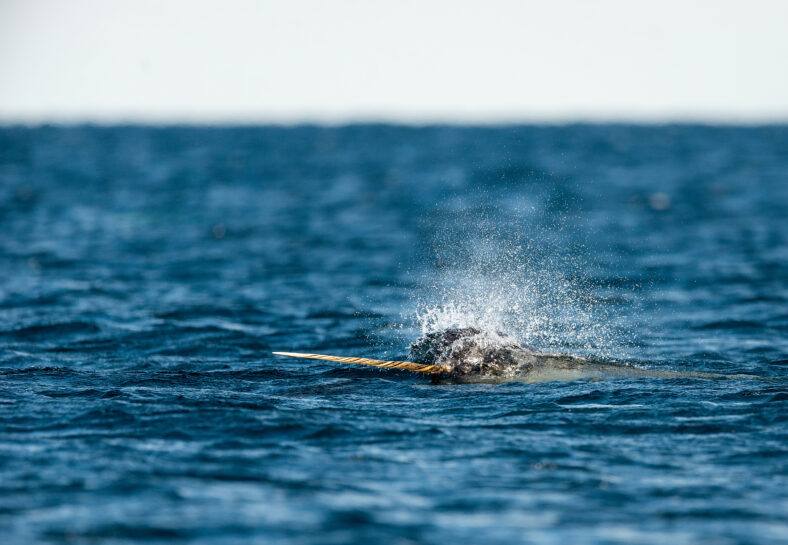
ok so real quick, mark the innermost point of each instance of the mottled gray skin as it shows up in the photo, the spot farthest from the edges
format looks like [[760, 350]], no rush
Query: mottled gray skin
[[472, 355], [470, 351]]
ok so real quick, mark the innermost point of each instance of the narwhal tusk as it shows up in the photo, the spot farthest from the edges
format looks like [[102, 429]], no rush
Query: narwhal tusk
[[409, 365]]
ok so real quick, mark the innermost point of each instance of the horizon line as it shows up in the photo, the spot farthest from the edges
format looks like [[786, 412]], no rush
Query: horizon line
[[405, 121]]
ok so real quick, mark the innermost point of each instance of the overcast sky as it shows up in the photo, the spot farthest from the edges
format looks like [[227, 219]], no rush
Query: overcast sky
[[412, 61]]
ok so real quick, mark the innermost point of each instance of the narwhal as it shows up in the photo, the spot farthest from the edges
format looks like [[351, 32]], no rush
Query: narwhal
[[470, 354]]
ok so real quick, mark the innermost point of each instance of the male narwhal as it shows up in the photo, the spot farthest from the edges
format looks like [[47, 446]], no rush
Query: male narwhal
[[469, 354]]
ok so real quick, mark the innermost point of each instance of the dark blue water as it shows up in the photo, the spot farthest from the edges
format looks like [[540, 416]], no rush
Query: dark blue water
[[147, 273]]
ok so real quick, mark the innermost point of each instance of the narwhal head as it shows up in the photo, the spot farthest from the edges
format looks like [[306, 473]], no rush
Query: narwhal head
[[469, 351]]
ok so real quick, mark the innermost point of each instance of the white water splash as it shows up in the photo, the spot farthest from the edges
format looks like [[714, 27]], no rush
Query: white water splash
[[518, 287]]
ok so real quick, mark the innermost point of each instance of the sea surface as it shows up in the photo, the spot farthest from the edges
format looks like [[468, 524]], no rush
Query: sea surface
[[146, 274]]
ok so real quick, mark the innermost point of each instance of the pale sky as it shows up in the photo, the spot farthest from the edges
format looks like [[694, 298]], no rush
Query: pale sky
[[245, 61]]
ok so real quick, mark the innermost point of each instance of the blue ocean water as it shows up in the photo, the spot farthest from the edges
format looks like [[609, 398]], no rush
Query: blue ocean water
[[147, 274]]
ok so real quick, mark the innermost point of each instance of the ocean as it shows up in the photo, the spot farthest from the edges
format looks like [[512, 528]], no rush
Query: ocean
[[149, 272]]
